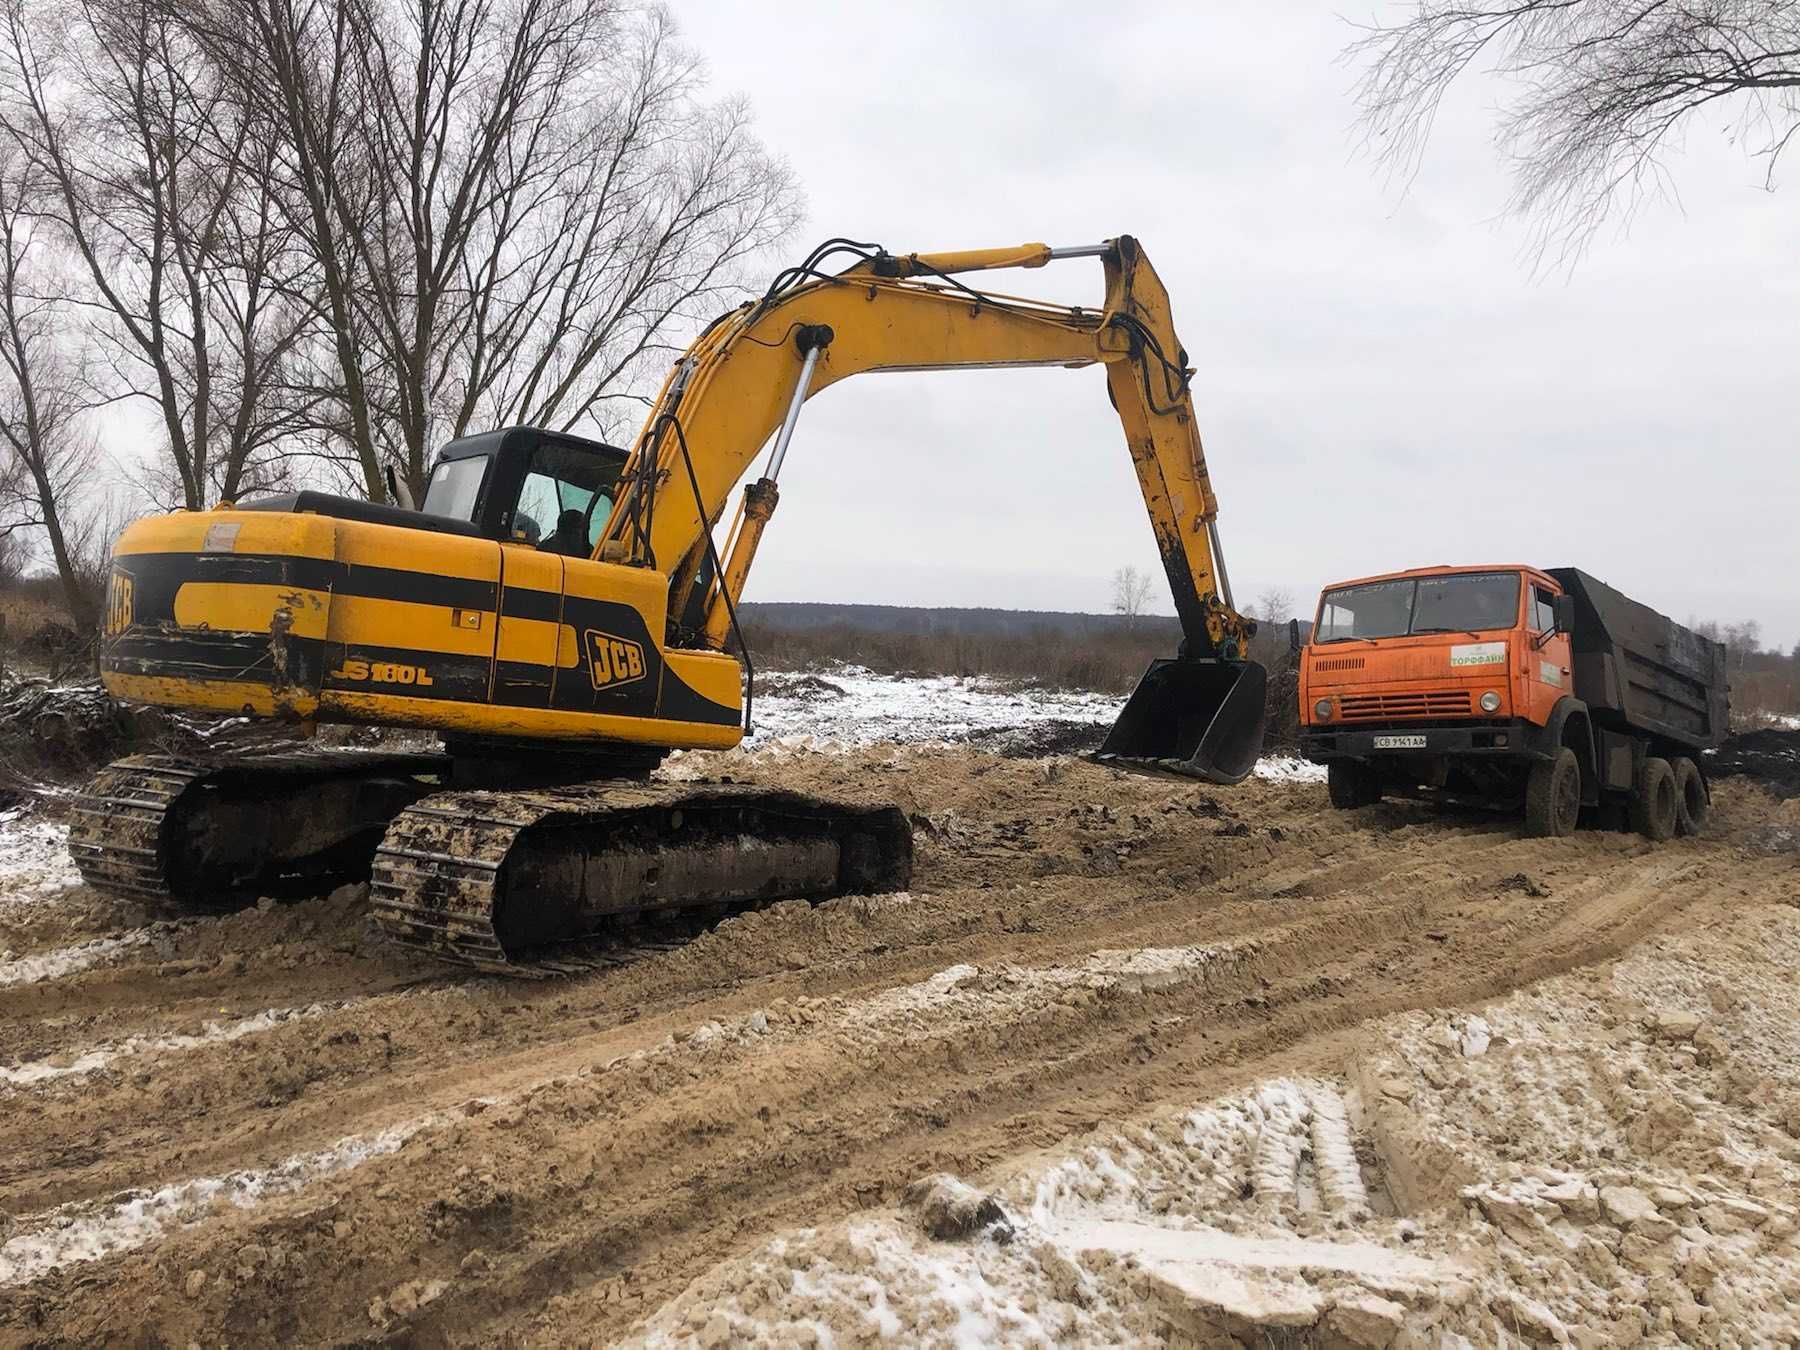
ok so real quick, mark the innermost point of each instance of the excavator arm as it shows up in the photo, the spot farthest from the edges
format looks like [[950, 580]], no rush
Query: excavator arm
[[746, 378], [734, 387]]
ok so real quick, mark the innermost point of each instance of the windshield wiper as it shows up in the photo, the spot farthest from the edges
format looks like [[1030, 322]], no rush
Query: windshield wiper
[[1470, 631]]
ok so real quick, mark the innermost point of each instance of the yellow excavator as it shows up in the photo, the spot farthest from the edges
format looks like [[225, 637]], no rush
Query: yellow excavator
[[559, 612]]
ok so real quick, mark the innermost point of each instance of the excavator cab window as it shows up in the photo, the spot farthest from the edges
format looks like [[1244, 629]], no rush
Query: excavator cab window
[[524, 485], [565, 499], [455, 488]]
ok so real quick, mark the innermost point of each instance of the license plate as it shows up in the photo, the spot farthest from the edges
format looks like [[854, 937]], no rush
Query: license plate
[[1399, 742]]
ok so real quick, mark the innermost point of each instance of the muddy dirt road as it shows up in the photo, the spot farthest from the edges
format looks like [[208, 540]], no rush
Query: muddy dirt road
[[262, 1127]]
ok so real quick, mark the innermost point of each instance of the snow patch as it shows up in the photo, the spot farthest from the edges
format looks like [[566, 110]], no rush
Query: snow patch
[[850, 707], [34, 860], [915, 710], [1214, 1247], [88, 1231], [62, 961], [1102, 1246], [1288, 769], [963, 994], [211, 1033]]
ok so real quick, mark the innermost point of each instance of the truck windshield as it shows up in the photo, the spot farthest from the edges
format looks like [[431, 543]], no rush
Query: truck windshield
[[1462, 602]]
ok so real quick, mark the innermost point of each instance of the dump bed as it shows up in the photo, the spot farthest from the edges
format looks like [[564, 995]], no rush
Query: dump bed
[[1640, 671]]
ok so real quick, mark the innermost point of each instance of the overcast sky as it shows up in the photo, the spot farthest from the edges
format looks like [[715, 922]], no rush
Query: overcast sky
[[1382, 382]]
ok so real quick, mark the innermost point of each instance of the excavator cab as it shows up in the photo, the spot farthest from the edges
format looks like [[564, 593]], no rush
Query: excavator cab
[[525, 485]]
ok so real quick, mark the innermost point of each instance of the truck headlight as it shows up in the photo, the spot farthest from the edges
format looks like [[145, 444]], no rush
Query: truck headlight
[[1322, 710], [1490, 701]]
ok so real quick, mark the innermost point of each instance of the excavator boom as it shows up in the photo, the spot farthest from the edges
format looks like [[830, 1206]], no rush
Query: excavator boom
[[746, 379]]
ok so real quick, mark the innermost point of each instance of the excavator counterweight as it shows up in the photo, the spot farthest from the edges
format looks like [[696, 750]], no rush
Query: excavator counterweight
[[557, 611]]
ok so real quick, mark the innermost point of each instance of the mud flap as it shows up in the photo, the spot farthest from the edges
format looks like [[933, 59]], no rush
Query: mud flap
[[1201, 718]]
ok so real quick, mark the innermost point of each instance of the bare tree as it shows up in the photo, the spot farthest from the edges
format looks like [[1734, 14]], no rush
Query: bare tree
[[1274, 605], [45, 452], [159, 185], [1131, 593], [1603, 86], [1742, 641], [508, 202]]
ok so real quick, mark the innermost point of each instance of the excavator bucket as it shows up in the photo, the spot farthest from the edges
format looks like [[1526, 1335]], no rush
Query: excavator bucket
[[1202, 718]]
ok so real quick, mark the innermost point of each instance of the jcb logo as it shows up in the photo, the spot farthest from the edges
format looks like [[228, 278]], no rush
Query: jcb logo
[[613, 661], [118, 603], [381, 672]]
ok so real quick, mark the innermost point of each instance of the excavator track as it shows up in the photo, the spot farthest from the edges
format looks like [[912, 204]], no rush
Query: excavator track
[[116, 826], [189, 835], [504, 880]]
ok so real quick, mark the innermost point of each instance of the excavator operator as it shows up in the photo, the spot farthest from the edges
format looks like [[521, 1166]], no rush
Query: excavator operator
[[570, 538]]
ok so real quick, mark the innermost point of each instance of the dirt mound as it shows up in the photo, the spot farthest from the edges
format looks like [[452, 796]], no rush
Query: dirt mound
[[1770, 757], [1057, 736], [56, 736], [798, 685], [59, 734], [1593, 1160]]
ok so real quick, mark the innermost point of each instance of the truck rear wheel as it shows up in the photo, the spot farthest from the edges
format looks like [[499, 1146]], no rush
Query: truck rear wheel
[[1692, 801], [1553, 796], [1351, 783], [1653, 801]]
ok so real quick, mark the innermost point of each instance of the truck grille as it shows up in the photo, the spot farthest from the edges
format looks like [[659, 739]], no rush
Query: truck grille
[[1339, 663], [1432, 703]]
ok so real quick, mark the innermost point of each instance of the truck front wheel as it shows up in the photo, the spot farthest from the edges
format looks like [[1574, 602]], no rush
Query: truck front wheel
[[1553, 796], [1653, 801], [1692, 802], [1351, 783]]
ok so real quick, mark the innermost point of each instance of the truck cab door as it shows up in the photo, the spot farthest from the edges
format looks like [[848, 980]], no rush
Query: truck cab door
[[1547, 666]]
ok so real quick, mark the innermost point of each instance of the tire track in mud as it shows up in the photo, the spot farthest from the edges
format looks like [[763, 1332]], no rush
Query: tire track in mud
[[591, 1165], [1247, 1044], [413, 1084], [965, 1094]]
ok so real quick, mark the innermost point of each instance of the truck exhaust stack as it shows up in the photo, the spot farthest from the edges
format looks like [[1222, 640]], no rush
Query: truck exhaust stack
[[1201, 718]]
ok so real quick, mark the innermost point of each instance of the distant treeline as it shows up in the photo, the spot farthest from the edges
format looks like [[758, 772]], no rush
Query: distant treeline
[[1059, 650], [1108, 652]]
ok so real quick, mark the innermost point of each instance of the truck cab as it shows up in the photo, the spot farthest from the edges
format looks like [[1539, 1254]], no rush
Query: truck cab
[[1467, 658], [1515, 685]]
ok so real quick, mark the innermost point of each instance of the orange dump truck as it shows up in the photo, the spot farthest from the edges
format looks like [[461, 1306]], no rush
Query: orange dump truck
[[1542, 690]]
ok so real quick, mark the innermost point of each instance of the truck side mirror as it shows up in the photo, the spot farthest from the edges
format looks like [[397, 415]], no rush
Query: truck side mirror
[[1564, 606], [1294, 643]]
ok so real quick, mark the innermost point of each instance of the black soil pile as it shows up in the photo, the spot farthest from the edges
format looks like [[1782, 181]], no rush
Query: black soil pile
[[1770, 757], [804, 687], [1039, 740], [57, 735]]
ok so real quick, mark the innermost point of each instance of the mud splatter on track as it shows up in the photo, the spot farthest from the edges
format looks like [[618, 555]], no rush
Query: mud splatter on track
[[1080, 948]]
